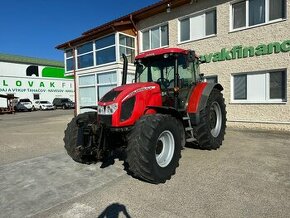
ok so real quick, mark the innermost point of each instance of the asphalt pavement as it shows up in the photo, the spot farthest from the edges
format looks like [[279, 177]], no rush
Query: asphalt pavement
[[249, 176]]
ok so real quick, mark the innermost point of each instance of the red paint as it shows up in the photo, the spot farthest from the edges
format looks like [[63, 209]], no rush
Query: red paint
[[195, 97], [161, 51], [147, 94]]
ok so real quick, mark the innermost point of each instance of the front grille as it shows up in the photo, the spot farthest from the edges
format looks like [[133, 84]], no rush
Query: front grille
[[127, 108], [106, 119]]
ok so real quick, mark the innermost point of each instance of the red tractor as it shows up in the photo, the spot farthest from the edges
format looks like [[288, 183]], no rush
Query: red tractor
[[151, 119]]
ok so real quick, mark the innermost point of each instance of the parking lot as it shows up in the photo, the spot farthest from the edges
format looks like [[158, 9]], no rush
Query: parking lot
[[249, 176]]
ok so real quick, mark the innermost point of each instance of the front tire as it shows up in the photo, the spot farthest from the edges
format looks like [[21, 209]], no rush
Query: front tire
[[154, 148], [211, 129], [71, 137]]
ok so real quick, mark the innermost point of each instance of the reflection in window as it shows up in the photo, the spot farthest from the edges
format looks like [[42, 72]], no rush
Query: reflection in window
[[87, 96], [105, 42], [86, 60], [106, 55]]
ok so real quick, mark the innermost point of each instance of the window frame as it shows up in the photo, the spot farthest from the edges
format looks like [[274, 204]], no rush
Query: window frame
[[93, 85], [75, 55], [68, 58], [104, 48], [267, 99], [97, 85], [195, 14], [126, 47], [83, 54], [267, 15], [160, 38]]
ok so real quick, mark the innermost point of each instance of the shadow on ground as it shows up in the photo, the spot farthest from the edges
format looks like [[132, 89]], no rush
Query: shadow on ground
[[114, 210]]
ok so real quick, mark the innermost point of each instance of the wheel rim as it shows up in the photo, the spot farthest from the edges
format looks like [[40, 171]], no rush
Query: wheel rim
[[164, 148], [215, 119]]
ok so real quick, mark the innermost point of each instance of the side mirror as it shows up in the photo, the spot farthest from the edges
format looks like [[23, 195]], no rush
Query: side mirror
[[139, 68], [191, 56]]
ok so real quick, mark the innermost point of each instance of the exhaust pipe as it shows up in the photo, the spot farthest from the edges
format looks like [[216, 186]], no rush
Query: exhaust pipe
[[125, 69]]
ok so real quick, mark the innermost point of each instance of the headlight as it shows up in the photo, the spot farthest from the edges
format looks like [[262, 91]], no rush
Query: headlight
[[110, 109], [107, 110], [101, 110]]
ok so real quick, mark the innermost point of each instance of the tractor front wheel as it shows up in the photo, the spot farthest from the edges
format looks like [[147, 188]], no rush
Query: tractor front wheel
[[71, 137], [154, 148]]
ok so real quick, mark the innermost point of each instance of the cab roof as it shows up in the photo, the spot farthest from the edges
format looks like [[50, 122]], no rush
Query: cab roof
[[161, 51]]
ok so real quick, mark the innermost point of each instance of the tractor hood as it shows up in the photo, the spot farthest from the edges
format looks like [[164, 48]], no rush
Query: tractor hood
[[123, 105], [121, 93]]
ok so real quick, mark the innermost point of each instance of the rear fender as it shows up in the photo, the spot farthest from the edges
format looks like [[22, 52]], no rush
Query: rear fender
[[198, 99]]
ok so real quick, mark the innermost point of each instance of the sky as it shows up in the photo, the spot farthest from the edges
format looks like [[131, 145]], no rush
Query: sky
[[34, 28]]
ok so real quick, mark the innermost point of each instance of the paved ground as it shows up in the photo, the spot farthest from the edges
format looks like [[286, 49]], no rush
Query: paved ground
[[248, 177]]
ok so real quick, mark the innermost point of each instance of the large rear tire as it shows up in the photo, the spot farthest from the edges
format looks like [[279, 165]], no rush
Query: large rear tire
[[154, 148], [211, 129], [71, 134]]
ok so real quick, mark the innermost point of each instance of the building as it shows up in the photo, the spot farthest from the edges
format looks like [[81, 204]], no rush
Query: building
[[33, 78], [245, 44]]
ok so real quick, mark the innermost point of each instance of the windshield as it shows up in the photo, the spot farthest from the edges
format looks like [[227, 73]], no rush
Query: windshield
[[44, 102], [159, 69]]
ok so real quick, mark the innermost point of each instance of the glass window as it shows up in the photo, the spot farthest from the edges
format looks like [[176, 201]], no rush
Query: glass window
[[109, 77], [69, 64], [87, 96], [239, 14], [184, 30], [198, 26], [85, 60], [87, 80], [240, 87], [85, 48], [210, 24], [102, 90], [127, 47], [127, 41], [277, 9], [105, 42], [253, 12], [146, 41], [164, 35], [106, 55], [155, 37], [130, 53], [277, 85], [69, 53], [260, 87], [256, 12]]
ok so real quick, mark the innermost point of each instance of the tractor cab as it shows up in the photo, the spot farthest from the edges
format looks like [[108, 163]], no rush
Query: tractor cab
[[175, 70]]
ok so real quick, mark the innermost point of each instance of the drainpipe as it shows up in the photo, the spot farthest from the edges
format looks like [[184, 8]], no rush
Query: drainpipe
[[75, 82], [136, 31]]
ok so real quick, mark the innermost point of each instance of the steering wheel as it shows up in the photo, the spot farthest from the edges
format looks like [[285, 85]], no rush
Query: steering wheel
[[164, 82]]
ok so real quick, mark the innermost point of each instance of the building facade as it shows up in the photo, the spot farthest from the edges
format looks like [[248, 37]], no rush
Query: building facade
[[245, 45], [36, 79]]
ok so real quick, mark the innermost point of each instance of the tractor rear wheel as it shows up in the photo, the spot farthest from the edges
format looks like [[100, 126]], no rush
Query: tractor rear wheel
[[71, 137], [154, 148], [211, 130]]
